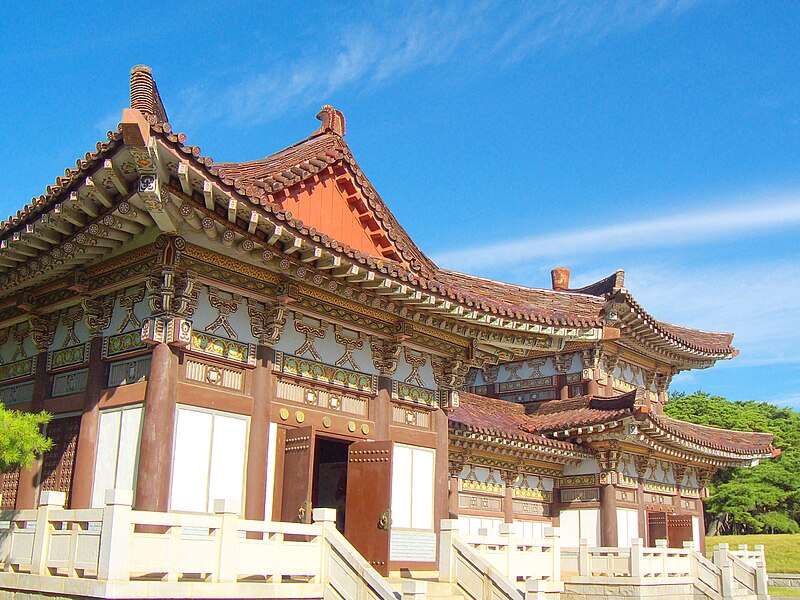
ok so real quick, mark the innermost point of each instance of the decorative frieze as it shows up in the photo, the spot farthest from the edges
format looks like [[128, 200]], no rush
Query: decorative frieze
[[525, 384], [121, 344], [17, 369], [658, 499], [530, 509], [224, 306], [350, 344], [71, 382], [125, 372], [484, 503], [624, 495], [311, 332], [69, 319], [224, 348], [416, 360], [415, 394], [577, 481], [385, 354], [534, 494], [67, 358], [166, 330], [406, 415], [214, 375], [449, 373], [579, 495], [128, 302], [294, 392], [16, 393], [315, 371], [485, 487], [97, 313], [660, 488], [42, 330], [267, 321]]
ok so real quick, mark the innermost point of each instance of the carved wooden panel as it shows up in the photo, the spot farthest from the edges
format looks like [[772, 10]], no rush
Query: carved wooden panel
[[71, 382], [9, 483], [16, 393], [580, 495], [213, 375], [336, 401], [124, 372], [411, 416], [531, 509], [475, 502], [57, 465]]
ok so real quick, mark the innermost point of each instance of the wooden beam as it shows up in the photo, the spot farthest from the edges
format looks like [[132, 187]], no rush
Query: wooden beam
[[311, 255], [134, 213], [183, 177], [228, 238], [253, 224], [208, 195], [293, 246], [276, 235], [116, 177], [92, 191], [210, 228], [232, 205], [329, 262], [189, 215]]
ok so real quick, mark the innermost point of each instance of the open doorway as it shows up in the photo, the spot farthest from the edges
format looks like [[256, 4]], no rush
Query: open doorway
[[330, 477]]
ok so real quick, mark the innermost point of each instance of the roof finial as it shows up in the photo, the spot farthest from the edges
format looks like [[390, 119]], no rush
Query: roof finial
[[144, 94], [560, 277], [332, 121]]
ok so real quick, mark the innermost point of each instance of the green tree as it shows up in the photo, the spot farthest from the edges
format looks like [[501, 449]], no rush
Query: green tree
[[764, 498], [21, 438]]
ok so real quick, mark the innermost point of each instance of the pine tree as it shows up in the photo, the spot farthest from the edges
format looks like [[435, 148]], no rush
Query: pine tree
[[21, 438]]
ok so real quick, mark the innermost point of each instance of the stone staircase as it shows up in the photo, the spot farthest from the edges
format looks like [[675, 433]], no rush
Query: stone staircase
[[434, 589]]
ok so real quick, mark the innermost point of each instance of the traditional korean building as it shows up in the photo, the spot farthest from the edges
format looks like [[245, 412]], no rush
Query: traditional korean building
[[267, 331]]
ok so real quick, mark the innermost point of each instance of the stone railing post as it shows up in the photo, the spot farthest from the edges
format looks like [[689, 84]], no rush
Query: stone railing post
[[553, 534], [447, 554], [227, 510], [535, 589], [326, 518], [414, 590], [636, 565], [760, 555], [761, 580], [48, 502], [508, 538], [115, 531], [661, 547], [724, 563], [584, 565]]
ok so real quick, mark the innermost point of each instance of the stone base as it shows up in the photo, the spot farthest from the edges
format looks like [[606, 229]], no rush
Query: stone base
[[627, 588]]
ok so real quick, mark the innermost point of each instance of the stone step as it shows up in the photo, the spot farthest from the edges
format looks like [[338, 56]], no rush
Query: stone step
[[437, 590]]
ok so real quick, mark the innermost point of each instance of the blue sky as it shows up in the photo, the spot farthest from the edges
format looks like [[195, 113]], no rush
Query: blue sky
[[508, 138]]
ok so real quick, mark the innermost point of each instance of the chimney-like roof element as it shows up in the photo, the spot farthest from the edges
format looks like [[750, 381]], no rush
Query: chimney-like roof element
[[145, 96]]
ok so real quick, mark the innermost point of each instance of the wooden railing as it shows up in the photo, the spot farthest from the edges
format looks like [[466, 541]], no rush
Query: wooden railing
[[172, 551]]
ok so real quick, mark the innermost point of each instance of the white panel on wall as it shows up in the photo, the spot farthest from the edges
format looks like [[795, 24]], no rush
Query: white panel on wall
[[412, 487], [627, 526], [191, 460], [473, 525], [529, 530], [401, 488], [590, 525], [585, 467], [209, 459], [228, 449], [696, 532], [118, 437], [422, 486], [570, 528], [272, 456]]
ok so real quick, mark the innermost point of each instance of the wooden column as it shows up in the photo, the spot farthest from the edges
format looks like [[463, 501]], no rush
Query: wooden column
[[90, 420], [441, 469], [592, 389], [263, 386], [28, 478], [158, 426], [508, 503], [383, 409], [563, 388], [452, 496], [608, 516]]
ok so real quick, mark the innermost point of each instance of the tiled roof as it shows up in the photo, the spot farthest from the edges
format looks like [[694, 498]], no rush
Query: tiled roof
[[546, 305], [498, 417], [739, 442], [581, 411]]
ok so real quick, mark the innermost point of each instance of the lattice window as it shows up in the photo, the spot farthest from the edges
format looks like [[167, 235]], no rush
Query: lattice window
[[9, 483], [57, 465]]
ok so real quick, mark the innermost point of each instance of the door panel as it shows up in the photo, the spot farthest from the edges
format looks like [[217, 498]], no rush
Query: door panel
[[679, 530], [369, 498], [656, 527], [298, 463], [58, 463]]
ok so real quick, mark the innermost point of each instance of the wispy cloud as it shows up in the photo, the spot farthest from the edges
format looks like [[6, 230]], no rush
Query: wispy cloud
[[747, 216], [387, 42]]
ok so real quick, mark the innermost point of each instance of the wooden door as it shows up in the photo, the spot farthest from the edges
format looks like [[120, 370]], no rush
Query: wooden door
[[369, 501], [58, 463], [298, 475], [679, 530], [656, 527]]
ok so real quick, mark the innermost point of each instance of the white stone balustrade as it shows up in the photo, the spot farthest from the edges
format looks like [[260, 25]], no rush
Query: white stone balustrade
[[116, 552]]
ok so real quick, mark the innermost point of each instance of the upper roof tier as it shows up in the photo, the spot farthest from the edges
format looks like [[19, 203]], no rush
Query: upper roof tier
[[277, 184]]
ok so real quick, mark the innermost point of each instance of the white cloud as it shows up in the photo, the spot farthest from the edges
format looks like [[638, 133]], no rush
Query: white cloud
[[389, 41], [746, 217]]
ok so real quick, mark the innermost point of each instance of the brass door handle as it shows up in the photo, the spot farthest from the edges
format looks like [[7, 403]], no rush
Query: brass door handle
[[385, 520], [302, 512]]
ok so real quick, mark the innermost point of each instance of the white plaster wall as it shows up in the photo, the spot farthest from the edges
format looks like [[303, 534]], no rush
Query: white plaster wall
[[585, 467], [425, 372]]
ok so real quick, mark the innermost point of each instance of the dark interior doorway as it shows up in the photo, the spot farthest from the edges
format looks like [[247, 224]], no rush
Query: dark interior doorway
[[330, 477]]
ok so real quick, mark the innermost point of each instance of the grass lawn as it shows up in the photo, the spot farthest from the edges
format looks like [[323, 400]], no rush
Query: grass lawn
[[784, 592], [783, 550]]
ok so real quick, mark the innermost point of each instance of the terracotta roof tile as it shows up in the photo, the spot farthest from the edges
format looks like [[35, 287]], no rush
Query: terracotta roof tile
[[581, 411], [739, 442], [498, 417]]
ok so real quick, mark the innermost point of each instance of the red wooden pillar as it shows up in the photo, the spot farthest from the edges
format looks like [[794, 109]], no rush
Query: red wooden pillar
[[608, 516], [383, 409], [158, 426], [263, 387], [441, 497], [28, 478], [90, 420]]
